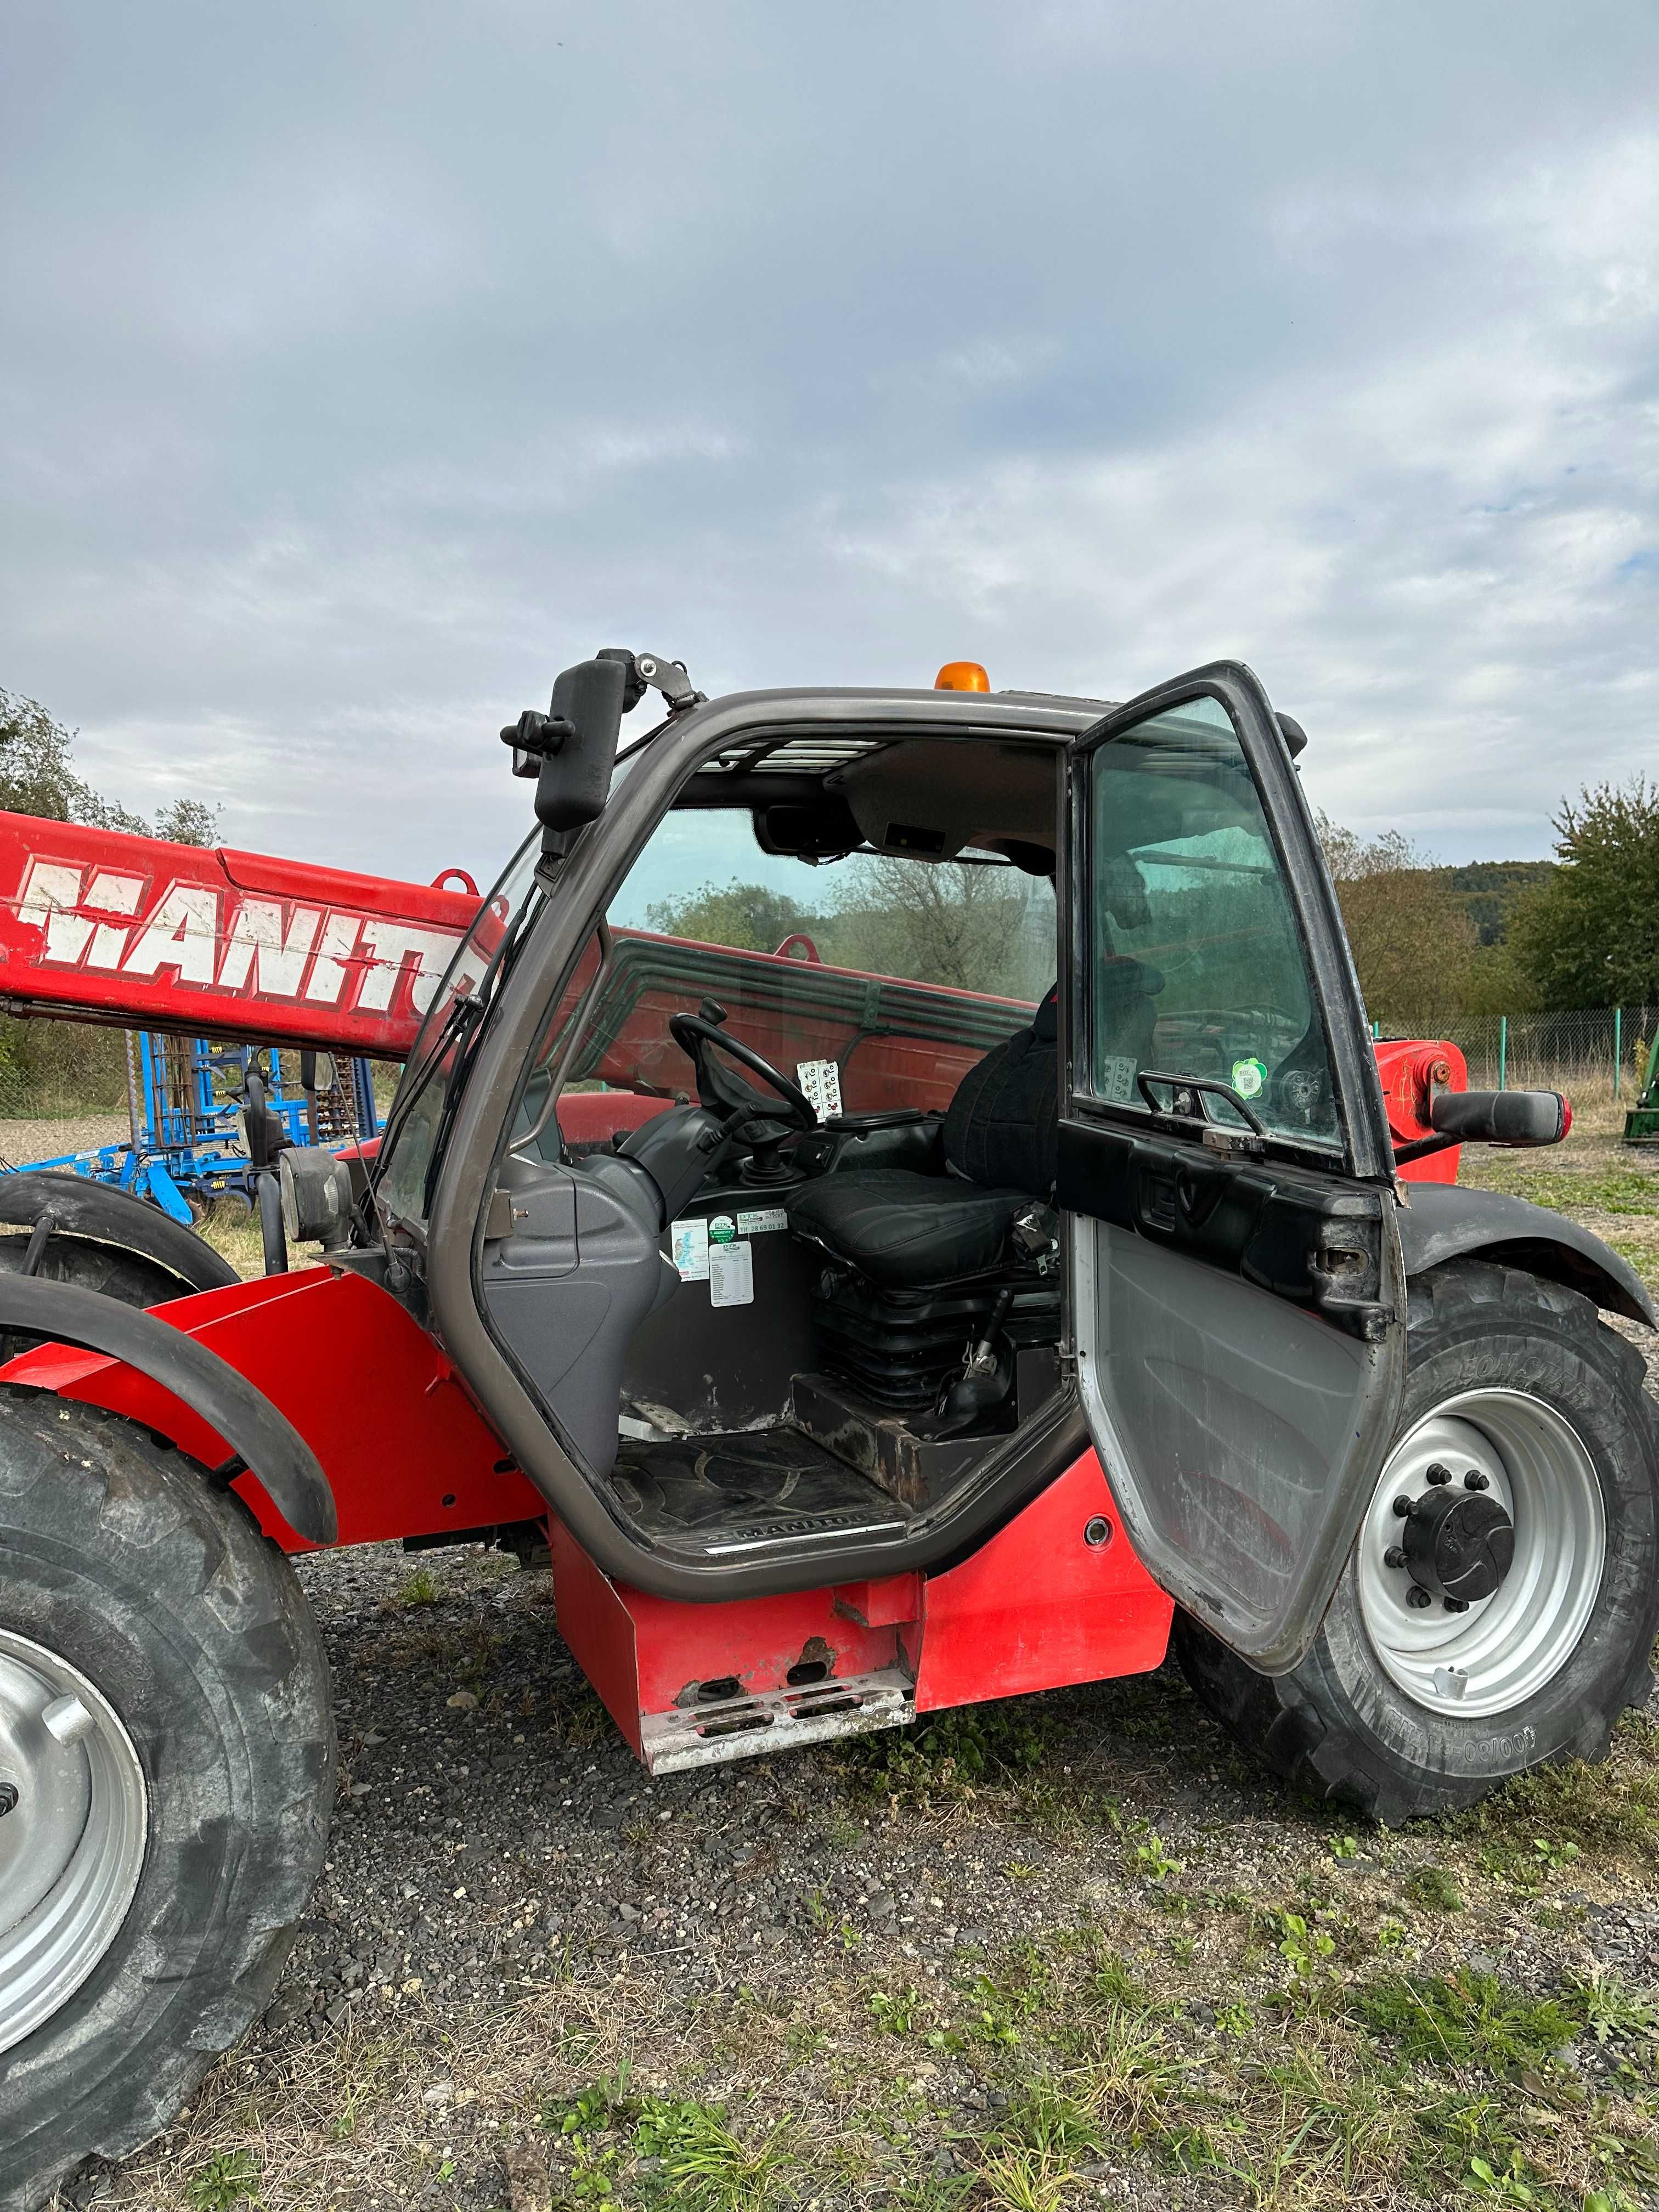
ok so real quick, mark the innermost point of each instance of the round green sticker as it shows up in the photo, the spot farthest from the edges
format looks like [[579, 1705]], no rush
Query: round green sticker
[[722, 1229], [1248, 1076]]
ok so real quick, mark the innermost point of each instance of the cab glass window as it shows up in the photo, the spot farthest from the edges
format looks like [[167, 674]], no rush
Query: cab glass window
[[1196, 965], [875, 981]]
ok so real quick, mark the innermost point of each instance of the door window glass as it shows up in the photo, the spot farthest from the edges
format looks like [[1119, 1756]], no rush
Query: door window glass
[[1197, 967]]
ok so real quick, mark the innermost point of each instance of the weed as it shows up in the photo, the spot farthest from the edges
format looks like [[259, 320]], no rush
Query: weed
[[706, 2165], [1112, 1983], [1304, 1946], [1343, 1847], [895, 2011], [1465, 2019], [1126, 2076], [1016, 2179], [945, 1760], [1607, 2009], [1431, 1886], [1235, 2019], [686, 2145], [230, 2178], [1151, 1860], [421, 1588], [1501, 2186]]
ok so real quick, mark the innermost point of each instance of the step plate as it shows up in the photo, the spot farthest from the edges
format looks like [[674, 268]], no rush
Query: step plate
[[776, 1720]]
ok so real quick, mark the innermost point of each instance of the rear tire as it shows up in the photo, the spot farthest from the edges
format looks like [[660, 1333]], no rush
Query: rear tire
[[1520, 1376], [123, 1574], [116, 1270]]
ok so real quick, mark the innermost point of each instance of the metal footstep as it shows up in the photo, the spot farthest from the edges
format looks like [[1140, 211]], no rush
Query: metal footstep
[[776, 1720]]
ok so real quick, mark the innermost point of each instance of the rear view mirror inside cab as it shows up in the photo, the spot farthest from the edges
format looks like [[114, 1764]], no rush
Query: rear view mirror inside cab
[[818, 830]]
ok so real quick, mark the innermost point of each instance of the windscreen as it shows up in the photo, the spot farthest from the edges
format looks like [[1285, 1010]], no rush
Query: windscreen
[[877, 981]]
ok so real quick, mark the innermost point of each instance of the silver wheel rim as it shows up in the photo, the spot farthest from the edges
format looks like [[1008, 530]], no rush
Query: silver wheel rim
[[72, 1836], [1505, 1648]]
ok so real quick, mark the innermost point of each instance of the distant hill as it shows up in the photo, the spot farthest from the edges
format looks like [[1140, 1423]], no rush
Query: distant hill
[[1489, 888]]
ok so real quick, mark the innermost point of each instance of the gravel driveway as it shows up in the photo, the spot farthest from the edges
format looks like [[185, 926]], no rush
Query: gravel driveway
[[1064, 1950], [533, 1976]]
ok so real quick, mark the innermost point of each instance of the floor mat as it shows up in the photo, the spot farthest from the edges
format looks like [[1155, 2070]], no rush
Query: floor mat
[[761, 1478]]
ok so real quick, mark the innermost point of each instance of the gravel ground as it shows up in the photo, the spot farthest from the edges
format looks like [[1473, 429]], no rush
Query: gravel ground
[[22, 1142], [1064, 1950]]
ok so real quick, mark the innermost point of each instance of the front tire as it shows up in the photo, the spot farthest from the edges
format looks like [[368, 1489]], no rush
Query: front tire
[[167, 1752], [1407, 1709]]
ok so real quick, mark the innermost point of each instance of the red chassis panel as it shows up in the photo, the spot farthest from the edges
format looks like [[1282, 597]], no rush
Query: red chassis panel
[[406, 1450], [1412, 1071], [408, 1454], [1035, 1608]]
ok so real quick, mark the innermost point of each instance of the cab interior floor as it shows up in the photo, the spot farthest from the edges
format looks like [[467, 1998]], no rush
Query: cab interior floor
[[748, 1483]]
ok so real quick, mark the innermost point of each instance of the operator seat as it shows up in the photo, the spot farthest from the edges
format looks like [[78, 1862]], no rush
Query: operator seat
[[901, 1228]]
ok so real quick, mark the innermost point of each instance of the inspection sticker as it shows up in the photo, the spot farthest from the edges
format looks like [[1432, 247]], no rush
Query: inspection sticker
[[763, 1221], [821, 1080], [1115, 1082], [688, 1248], [731, 1275]]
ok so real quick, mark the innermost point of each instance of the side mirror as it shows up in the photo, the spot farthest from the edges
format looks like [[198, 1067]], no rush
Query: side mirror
[[571, 751], [1501, 1117]]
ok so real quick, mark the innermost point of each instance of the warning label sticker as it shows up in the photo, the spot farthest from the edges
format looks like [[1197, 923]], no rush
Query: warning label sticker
[[731, 1275], [688, 1248], [821, 1080]]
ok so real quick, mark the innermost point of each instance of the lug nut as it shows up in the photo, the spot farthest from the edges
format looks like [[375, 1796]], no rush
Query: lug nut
[[1456, 1604], [8, 1798], [1437, 1474], [1417, 1596], [1402, 1506], [1475, 1481], [1393, 1556]]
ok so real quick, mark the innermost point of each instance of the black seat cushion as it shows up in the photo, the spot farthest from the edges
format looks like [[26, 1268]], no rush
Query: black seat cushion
[[902, 1228], [1003, 1124]]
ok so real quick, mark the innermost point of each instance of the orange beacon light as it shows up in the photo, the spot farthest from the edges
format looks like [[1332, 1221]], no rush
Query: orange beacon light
[[961, 676]]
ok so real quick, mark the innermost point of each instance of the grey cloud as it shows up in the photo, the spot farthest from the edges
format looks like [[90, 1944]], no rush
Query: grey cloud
[[361, 370]]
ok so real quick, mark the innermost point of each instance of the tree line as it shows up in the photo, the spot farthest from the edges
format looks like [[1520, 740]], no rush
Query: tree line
[[1431, 944], [56, 1062]]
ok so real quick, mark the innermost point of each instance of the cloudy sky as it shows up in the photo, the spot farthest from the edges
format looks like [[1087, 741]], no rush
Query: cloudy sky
[[365, 364]]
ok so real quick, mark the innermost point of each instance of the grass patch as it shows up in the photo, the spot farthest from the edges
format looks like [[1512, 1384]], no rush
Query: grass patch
[[615, 2144], [947, 1761], [1434, 1887], [421, 1588], [229, 2179], [1465, 2019]]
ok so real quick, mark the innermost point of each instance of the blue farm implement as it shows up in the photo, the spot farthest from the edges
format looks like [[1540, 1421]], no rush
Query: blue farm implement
[[187, 1098]]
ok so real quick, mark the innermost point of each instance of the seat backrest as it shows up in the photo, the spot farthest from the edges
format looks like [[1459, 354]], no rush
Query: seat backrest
[[1002, 1128]]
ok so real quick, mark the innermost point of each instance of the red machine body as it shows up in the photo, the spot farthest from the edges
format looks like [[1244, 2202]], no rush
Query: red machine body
[[103, 927], [99, 926]]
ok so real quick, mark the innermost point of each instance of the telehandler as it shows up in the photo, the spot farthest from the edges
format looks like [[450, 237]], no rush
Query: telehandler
[[1028, 1264]]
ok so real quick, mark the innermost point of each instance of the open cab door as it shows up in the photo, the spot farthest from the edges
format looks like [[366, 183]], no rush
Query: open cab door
[[1238, 1295]]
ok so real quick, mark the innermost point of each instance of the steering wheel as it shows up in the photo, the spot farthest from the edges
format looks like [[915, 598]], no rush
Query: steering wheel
[[697, 1037]]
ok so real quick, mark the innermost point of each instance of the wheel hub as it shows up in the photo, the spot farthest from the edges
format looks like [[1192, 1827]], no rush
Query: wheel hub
[[1479, 1561], [73, 1817], [1458, 1544]]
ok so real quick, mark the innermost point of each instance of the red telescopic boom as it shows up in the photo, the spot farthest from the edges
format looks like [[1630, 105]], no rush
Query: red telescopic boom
[[98, 926]]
